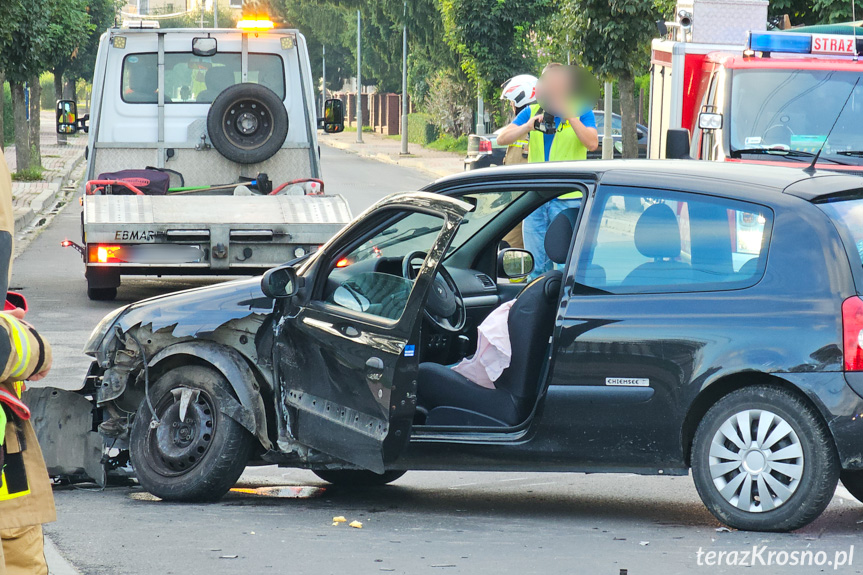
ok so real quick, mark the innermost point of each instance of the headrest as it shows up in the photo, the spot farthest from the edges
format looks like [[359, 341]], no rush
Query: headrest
[[657, 233], [558, 236]]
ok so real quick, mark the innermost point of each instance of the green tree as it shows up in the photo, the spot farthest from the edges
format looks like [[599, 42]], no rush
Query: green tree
[[493, 38], [23, 42], [815, 11], [614, 41], [68, 27], [101, 15]]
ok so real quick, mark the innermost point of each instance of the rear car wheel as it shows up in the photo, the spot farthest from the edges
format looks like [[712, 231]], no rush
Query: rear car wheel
[[358, 478], [193, 456], [763, 460], [853, 482]]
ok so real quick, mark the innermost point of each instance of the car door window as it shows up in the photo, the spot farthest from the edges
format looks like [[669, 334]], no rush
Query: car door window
[[654, 241], [368, 276]]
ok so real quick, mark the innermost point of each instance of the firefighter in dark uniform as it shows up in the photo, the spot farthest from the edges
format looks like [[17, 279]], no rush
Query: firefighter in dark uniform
[[26, 501]]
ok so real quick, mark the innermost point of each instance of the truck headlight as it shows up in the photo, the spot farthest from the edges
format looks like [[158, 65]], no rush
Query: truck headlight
[[94, 343]]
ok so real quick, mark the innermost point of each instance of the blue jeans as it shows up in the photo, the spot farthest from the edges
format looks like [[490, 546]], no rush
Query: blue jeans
[[534, 228]]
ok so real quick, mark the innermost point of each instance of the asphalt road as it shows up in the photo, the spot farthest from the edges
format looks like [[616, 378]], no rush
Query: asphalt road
[[427, 522]]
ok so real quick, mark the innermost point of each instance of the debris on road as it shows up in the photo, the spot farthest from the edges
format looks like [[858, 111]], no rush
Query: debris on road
[[228, 556], [355, 524], [339, 519]]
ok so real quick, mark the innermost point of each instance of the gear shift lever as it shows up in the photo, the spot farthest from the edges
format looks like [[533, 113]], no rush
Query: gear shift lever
[[463, 346]]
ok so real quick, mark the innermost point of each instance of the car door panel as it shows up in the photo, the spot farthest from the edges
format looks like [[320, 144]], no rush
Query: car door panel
[[347, 378]]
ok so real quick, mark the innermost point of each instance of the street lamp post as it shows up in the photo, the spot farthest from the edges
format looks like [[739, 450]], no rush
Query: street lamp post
[[607, 138], [359, 80], [405, 82], [323, 80]]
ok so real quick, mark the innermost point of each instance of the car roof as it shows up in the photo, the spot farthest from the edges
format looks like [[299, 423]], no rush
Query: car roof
[[731, 179]]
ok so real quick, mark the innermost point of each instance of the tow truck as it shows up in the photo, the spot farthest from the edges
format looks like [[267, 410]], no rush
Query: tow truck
[[202, 155], [768, 97]]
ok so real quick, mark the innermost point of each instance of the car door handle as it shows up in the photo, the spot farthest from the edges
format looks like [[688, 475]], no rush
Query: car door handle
[[349, 331], [375, 364]]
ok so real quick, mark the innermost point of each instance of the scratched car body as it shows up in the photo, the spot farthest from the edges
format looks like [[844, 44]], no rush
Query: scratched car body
[[666, 340]]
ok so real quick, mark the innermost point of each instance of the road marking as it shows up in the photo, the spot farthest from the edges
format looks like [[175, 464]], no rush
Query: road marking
[[463, 485], [57, 564]]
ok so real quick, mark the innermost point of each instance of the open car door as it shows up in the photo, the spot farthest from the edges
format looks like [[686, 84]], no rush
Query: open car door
[[348, 353]]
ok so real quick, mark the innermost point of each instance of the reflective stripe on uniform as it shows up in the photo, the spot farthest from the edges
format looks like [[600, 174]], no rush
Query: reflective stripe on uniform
[[22, 346]]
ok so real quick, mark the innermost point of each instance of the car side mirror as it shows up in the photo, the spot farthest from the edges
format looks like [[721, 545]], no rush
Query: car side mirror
[[514, 263], [677, 144], [280, 283], [67, 117], [333, 121]]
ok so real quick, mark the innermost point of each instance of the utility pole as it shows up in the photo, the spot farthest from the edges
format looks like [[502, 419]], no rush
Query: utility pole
[[359, 79], [607, 138], [324, 81], [405, 82], [480, 111], [215, 13]]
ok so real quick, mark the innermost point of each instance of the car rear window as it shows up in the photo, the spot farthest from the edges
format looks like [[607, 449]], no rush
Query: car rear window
[[848, 216]]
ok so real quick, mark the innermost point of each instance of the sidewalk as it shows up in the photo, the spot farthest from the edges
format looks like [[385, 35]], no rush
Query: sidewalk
[[384, 149], [28, 198]]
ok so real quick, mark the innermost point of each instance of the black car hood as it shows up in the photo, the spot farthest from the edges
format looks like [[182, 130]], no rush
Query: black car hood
[[199, 310]]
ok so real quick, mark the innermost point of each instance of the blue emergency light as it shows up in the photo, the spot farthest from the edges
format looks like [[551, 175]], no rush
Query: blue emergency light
[[795, 43], [780, 42]]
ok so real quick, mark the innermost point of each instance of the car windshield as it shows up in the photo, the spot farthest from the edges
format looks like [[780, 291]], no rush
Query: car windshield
[[413, 231], [793, 110], [848, 214]]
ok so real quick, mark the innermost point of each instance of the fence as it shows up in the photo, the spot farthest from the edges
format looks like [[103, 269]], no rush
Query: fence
[[381, 112]]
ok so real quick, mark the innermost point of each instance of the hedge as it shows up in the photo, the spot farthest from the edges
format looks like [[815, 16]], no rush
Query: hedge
[[421, 130]]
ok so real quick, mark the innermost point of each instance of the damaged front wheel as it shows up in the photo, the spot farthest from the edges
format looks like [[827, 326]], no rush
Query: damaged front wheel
[[195, 452]]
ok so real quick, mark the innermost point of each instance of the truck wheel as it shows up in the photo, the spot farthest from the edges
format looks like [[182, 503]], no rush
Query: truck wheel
[[101, 294], [763, 460], [198, 458], [358, 478], [853, 482], [247, 123]]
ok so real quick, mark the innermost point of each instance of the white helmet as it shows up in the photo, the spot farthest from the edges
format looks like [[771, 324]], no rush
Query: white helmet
[[520, 90]]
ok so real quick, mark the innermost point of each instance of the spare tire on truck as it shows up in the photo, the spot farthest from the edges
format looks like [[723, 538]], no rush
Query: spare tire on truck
[[247, 123]]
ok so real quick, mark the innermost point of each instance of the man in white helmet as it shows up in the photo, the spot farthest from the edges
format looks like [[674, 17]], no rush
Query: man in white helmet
[[559, 127], [520, 92]]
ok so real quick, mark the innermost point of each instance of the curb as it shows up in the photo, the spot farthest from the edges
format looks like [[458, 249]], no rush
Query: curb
[[57, 564], [37, 204], [385, 158]]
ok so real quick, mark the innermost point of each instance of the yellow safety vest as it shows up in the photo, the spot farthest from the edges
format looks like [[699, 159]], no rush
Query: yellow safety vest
[[564, 147]]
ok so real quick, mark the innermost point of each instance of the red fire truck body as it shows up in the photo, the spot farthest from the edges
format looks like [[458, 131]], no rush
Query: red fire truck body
[[779, 99]]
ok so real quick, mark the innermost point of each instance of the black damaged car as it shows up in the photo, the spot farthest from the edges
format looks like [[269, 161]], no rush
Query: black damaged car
[[695, 316]]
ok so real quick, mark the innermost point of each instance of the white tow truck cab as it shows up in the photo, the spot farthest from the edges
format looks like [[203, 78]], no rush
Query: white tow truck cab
[[202, 155]]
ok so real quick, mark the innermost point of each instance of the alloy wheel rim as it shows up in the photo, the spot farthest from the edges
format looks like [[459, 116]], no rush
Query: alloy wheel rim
[[756, 460]]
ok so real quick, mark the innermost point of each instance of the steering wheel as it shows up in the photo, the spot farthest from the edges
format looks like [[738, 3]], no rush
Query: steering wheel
[[444, 306]]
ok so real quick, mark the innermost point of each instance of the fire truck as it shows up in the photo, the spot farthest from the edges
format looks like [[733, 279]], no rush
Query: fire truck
[[725, 89]]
